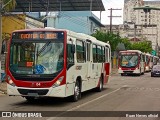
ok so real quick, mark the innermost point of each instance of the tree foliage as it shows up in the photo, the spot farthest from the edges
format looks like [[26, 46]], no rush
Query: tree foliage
[[115, 39], [143, 46], [112, 38], [127, 43]]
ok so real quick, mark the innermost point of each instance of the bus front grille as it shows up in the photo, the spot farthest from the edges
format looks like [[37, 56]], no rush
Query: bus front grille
[[128, 71], [27, 91]]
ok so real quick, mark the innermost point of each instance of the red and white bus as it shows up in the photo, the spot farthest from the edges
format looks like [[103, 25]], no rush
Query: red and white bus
[[131, 62], [55, 63]]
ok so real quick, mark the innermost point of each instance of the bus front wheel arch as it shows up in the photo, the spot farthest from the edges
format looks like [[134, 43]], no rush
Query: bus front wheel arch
[[77, 91], [100, 87]]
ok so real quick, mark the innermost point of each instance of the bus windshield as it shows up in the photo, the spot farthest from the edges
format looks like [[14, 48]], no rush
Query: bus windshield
[[36, 57], [129, 60]]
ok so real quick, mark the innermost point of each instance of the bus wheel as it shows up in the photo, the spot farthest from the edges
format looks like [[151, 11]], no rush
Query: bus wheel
[[30, 99], [100, 87], [77, 92], [140, 73]]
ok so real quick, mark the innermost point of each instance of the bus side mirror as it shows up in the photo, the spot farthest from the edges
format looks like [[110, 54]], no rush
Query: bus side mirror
[[73, 49]]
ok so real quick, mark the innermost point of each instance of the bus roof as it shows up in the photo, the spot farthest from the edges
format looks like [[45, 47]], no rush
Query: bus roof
[[148, 54], [138, 51], [81, 36]]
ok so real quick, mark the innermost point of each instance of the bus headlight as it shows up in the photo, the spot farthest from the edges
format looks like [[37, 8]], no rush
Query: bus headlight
[[10, 81], [58, 82]]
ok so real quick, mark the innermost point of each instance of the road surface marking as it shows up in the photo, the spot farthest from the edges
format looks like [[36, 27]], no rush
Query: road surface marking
[[79, 106]]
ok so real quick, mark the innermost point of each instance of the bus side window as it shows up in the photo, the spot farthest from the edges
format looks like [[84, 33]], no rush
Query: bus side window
[[107, 54], [80, 50], [70, 54]]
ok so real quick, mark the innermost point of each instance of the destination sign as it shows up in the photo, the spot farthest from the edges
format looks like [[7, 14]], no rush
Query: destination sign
[[37, 35]]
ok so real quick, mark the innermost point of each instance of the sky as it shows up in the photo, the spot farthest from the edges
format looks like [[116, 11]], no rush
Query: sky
[[115, 4]]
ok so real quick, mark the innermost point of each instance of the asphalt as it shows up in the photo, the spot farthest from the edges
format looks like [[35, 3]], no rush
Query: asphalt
[[3, 85]]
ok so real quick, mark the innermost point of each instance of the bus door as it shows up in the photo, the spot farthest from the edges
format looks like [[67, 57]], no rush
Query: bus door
[[89, 61], [142, 63], [107, 65]]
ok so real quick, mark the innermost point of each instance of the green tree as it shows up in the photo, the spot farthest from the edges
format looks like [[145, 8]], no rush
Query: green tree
[[112, 38], [127, 43], [143, 46]]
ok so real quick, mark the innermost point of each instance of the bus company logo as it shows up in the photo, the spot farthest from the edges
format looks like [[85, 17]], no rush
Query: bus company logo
[[78, 67]]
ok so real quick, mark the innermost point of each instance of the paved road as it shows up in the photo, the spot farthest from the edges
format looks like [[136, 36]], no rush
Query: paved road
[[127, 93]]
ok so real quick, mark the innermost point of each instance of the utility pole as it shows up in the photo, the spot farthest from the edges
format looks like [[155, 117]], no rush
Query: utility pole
[[1, 3], [135, 32], [0, 27], [111, 17]]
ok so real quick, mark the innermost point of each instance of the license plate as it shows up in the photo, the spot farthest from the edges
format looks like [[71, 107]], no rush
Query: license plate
[[33, 94]]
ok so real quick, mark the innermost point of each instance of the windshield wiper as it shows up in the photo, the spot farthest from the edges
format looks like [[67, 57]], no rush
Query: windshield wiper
[[43, 48]]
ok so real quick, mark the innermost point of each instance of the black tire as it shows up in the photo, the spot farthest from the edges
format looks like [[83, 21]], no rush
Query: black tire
[[30, 99], [100, 87], [77, 92], [122, 74], [139, 74]]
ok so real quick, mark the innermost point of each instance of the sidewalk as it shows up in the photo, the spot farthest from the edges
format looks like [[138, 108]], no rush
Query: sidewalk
[[3, 88], [114, 71]]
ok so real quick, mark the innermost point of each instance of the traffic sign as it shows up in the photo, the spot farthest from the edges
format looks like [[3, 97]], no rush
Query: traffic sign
[[153, 52]]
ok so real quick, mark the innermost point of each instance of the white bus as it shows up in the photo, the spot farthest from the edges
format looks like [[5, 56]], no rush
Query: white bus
[[131, 62], [56, 63], [149, 62]]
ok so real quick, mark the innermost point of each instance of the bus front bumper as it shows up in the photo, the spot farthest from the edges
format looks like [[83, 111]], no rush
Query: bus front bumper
[[136, 71], [36, 92]]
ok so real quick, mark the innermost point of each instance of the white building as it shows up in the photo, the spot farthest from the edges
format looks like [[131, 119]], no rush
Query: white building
[[147, 23]]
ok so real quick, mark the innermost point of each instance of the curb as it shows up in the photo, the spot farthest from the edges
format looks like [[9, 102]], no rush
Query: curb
[[2, 92]]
